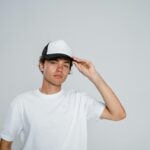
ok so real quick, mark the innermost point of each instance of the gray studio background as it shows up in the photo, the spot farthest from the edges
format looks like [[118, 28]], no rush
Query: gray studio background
[[113, 34]]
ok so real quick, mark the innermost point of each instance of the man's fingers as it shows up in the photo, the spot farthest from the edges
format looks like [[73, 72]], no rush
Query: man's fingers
[[82, 65], [76, 59]]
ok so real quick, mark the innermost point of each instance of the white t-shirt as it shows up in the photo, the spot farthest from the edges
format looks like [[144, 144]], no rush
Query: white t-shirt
[[51, 122]]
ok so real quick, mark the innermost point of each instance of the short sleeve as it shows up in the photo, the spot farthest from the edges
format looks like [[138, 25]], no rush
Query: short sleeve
[[12, 122], [93, 107]]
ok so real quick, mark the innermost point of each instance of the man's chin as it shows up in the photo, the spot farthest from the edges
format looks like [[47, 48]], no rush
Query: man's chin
[[58, 83]]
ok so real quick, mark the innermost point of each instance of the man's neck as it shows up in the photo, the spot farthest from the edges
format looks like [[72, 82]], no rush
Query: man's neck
[[50, 89]]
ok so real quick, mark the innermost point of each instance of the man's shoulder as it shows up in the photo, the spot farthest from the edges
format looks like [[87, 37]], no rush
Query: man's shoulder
[[23, 96]]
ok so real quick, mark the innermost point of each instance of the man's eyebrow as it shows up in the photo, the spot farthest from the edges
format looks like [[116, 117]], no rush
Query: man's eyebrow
[[57, 59], [67, 61]]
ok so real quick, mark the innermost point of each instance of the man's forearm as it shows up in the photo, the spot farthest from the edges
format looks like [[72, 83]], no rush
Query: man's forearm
[[112, 102], [114, 110], [5, 145]]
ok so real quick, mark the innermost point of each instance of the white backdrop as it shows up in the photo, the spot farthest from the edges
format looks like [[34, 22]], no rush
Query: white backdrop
[[114, 35]]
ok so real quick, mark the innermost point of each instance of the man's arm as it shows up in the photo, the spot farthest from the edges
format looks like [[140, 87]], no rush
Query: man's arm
[[114, 110], [5, 145]]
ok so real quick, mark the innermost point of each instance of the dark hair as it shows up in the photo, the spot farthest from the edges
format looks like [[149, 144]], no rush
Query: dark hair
[[42, 59]]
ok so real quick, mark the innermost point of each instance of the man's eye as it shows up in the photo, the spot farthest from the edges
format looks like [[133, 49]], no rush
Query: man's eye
[[66, 65]]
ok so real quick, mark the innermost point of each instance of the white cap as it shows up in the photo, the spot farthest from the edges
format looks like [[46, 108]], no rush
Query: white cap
[[57, 49]]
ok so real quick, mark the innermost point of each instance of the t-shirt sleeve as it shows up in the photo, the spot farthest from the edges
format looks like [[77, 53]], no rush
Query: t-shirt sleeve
[[93, 107], [12, 122]]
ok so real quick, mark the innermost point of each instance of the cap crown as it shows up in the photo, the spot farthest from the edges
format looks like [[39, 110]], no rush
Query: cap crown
[[59, 47]]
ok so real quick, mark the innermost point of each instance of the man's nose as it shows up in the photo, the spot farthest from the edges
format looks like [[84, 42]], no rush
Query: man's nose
[[60, 67]]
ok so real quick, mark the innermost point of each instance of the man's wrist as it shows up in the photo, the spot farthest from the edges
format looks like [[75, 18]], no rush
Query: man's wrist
[[96, 78]]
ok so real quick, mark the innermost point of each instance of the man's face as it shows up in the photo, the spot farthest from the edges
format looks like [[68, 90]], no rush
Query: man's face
[[55, 71]]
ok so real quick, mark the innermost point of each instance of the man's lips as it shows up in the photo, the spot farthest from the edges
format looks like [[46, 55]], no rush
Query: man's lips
[[58, 76]]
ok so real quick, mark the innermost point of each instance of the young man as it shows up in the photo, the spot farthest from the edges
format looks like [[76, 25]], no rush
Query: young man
[[51, 118]]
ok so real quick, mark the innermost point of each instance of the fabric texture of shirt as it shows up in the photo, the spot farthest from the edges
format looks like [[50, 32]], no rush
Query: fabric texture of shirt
[[51, 122]]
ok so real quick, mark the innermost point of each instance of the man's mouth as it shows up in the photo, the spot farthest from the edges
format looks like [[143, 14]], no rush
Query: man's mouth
[[58, 76]]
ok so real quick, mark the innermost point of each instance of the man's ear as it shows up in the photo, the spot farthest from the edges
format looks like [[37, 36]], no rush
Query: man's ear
[[41, 67]]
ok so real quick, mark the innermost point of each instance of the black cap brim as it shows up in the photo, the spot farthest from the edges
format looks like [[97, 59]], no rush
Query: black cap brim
[[57, 55]]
